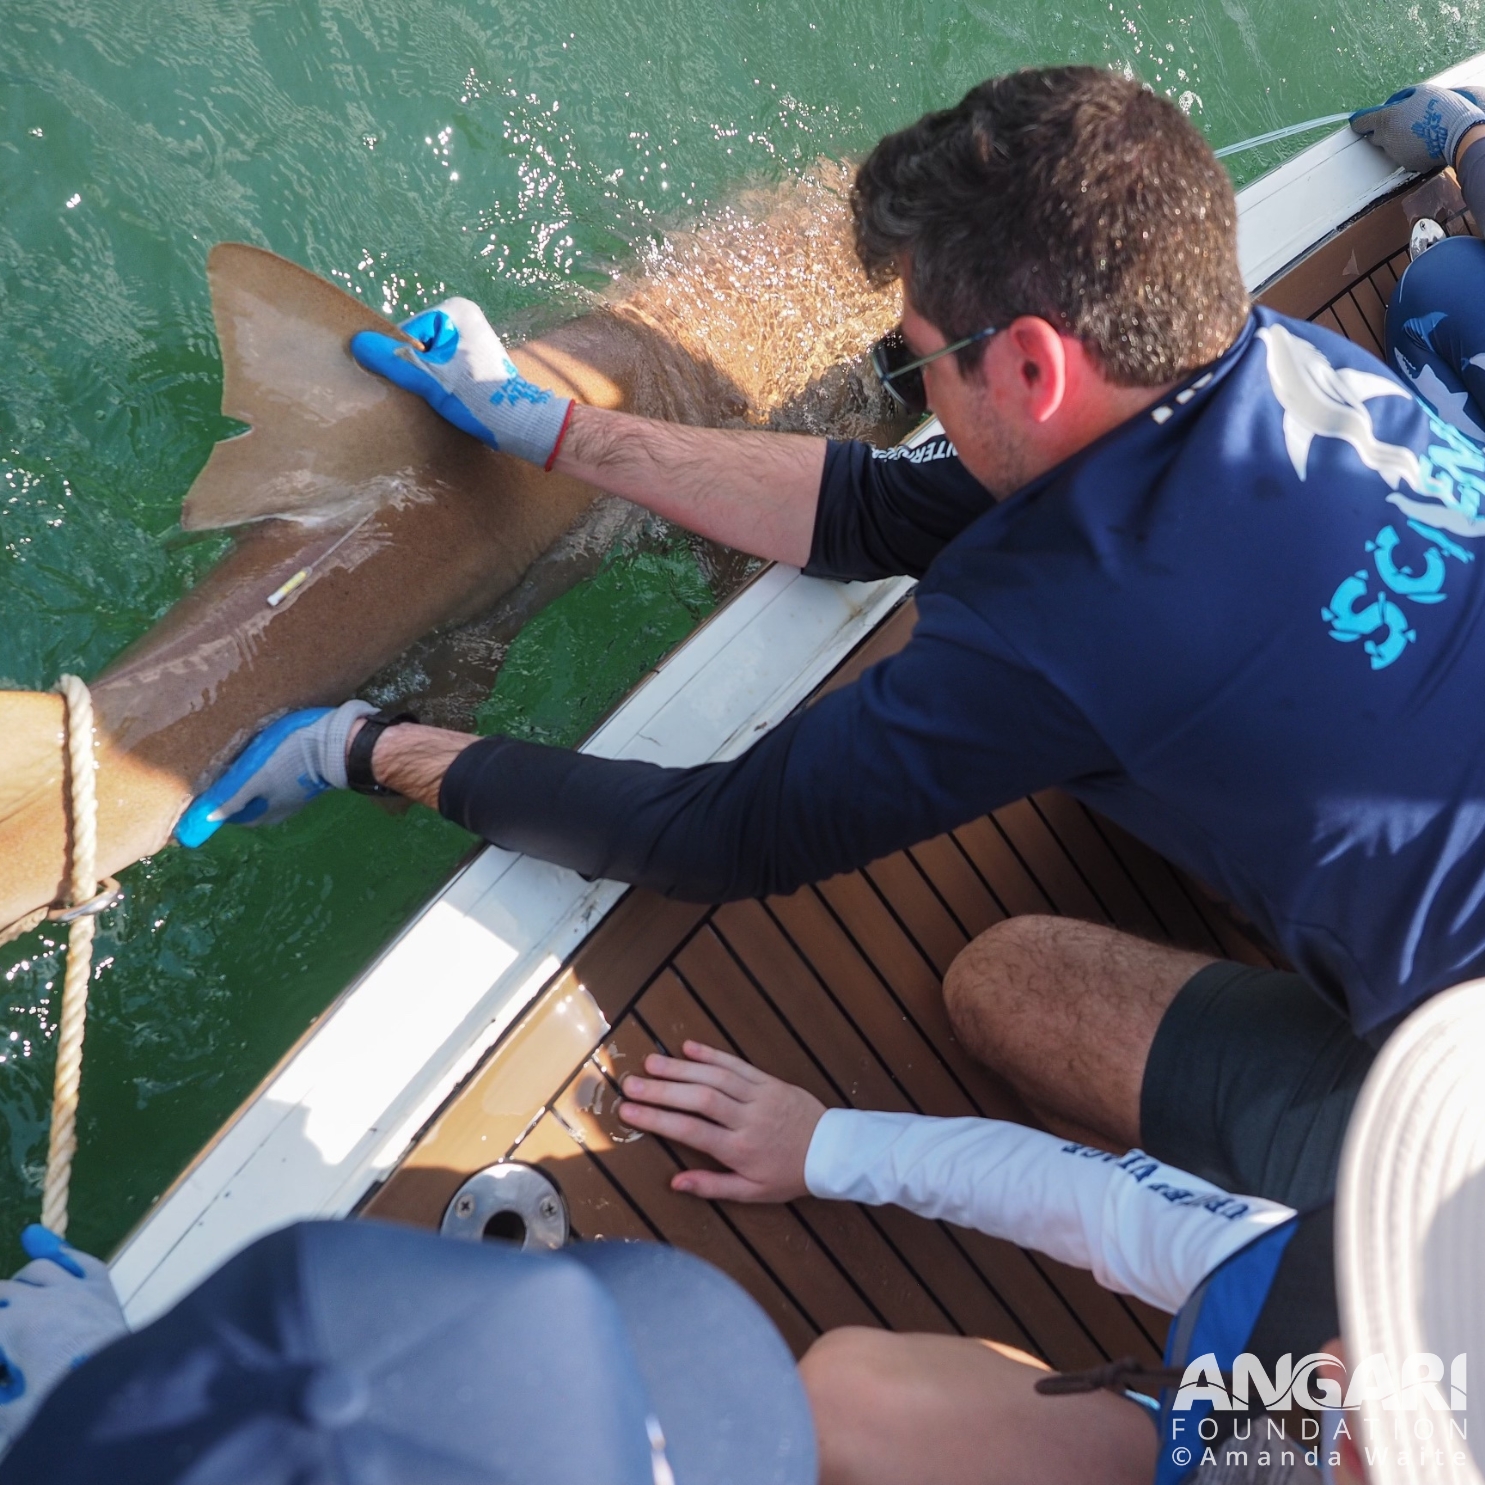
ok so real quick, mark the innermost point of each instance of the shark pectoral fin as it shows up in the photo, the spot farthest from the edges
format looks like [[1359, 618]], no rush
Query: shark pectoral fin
[[323, 432]]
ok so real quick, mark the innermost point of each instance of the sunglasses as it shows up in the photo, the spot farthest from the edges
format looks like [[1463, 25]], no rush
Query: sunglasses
[[902, 374]]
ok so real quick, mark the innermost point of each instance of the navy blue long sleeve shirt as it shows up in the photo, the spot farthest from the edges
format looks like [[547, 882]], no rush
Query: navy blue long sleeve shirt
[[1245, 624]]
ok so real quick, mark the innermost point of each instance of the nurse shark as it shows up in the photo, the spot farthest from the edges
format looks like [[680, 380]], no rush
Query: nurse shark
[[403, 523]]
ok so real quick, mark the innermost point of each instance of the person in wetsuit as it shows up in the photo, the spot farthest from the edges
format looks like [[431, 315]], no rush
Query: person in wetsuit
[[1436, 317], [1210, 569]]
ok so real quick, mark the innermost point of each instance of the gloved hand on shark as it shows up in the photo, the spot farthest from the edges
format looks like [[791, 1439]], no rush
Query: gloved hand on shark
[[465, 374]]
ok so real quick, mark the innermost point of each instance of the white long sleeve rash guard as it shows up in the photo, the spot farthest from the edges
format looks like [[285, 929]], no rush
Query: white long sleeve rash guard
[[1143, 1228]]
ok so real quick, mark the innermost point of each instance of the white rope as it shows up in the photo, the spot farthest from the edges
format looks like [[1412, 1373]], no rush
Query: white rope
[[83, 887], [1274, 135]]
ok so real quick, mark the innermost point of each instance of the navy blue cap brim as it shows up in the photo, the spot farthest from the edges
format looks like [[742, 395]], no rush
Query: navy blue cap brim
[[342, 1353], [722, 1381]]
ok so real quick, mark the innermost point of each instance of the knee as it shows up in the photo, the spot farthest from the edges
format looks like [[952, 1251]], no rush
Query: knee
[[988, 973], [1445, 280], [853, 1386], [848, 1372]]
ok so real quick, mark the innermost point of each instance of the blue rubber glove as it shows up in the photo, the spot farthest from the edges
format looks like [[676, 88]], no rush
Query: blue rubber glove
[[464, 374], [285, 766], [56, 1312], [1420, 127]]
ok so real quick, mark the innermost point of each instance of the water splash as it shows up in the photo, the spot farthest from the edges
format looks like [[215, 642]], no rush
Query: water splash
[[769, 291]]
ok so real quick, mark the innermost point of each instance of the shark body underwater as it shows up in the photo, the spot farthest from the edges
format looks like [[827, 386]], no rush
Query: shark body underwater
[[405, 523]]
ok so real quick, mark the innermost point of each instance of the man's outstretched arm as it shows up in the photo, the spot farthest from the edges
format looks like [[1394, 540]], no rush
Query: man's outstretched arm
[[947, 729], [839, 510], [756, 492], [922, 742], [412, 760]]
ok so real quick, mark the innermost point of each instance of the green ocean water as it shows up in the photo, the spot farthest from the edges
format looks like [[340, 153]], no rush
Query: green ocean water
[[519, 153]]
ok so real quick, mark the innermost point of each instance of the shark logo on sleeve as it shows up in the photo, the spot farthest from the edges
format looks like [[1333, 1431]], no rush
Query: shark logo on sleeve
[[1325, 401]]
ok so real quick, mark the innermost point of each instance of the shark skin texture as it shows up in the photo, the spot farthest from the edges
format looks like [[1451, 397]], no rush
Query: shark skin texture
[[439, 528]]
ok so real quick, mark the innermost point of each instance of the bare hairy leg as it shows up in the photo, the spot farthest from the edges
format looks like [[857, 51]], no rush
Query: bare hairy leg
[[1066, 1011], [947, 1410]]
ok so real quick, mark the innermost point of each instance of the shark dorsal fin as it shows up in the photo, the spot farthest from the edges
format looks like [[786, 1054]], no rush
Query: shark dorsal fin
[[327, 441]]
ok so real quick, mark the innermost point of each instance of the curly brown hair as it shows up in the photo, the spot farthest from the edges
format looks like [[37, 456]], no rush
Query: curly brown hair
[[1071, 193]]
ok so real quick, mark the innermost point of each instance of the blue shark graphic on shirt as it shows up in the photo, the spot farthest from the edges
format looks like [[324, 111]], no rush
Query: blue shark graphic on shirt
[[1325, 401]]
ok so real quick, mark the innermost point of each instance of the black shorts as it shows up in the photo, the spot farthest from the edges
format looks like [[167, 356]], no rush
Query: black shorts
[[1250, 1083]]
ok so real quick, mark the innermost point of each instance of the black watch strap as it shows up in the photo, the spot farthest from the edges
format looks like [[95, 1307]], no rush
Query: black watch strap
[[358, 774]]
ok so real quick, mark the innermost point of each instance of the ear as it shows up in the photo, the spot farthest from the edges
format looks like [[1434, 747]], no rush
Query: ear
[[1040, 366]]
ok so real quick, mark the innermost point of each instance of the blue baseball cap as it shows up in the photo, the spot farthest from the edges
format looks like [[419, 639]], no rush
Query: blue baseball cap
[[362, 1353]]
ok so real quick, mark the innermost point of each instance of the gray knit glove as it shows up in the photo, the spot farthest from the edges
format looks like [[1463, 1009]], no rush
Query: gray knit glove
[[1420, 127], [461, 370], [54, 1314], [287, 764]]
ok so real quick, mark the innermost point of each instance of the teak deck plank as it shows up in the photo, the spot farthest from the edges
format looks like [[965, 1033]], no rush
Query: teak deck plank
[[1327, 317], [918, 988], [599, 1207], [1354, 324], [923, 922], [1037, 846], [637, 939], [957, 884], [1373, 306], [1001, 869], [751, 1022], [1116, 886], [1119, 1325], [850, 1061], [755, 1031], [858, 988]]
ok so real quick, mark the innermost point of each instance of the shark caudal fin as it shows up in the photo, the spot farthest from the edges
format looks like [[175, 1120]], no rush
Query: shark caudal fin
[[328, 441]]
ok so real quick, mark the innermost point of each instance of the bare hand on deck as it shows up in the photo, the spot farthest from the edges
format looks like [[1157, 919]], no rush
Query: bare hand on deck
[[758, 1126]]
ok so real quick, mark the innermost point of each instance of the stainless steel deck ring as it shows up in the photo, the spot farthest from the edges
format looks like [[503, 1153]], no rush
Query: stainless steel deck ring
[[511, 1202]]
